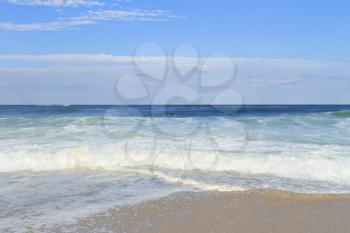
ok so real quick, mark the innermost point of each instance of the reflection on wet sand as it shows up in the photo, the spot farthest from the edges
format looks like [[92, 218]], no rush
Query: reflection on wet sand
[[258, 211]]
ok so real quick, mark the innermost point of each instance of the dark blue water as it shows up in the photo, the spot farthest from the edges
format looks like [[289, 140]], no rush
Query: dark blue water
[[168, 110]]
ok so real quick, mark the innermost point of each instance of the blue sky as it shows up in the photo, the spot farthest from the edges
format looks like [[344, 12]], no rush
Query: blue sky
[[285, 51]]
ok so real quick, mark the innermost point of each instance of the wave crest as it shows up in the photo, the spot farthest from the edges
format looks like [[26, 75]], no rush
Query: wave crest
[[324, 164]]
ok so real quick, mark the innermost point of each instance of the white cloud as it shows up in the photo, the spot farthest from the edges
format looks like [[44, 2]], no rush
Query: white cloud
[[261, 64], [79, 58], [57, 3], [120, 15], [289, 81], [49, 26], [101, 11], [91, 17], [257, 72], [279, 81]]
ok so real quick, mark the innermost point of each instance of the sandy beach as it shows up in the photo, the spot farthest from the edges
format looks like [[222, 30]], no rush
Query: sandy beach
[[259, 211]]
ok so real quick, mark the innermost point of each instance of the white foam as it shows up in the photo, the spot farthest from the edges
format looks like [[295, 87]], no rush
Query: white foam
[[309, 162], [191, 182]]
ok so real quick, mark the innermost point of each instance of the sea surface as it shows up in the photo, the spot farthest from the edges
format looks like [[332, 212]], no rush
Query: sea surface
[[62, 163]]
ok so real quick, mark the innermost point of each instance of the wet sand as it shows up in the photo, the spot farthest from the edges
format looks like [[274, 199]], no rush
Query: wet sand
[[259, 211]]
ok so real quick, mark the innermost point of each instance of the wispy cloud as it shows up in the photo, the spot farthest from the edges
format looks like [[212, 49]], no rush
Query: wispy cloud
[[57, 3], [260, 80], [261, 63], [289, 81], [120, 15], [99, 10], [48, 26], [91, 17], [69, 58]]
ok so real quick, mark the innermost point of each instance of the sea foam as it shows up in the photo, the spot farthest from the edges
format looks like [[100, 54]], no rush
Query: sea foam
[[294, 161]]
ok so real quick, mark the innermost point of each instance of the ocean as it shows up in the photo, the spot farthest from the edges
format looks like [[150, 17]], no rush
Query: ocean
[[59, 164]]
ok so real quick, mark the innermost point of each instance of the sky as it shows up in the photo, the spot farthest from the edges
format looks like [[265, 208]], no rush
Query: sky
[[158, 52]]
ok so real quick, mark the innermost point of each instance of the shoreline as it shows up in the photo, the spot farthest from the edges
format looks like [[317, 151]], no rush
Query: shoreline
[[253, 211]]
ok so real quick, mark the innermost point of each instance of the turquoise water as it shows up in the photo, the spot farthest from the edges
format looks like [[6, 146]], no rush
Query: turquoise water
[[61, 163]]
